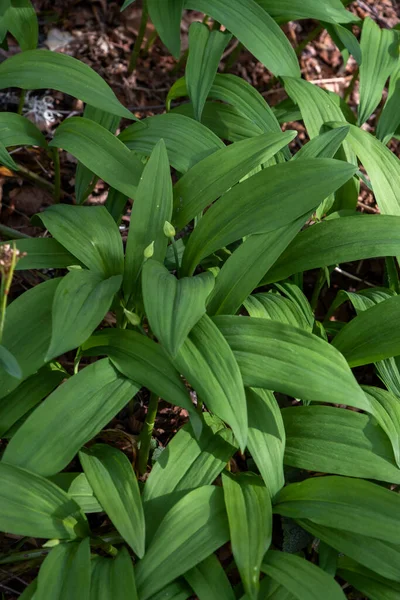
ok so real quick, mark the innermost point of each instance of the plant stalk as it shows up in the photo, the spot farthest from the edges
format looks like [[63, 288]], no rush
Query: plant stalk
[[39, 181], [139, 39], [6, 279], [21, 102], [57, 175], [146, 434]]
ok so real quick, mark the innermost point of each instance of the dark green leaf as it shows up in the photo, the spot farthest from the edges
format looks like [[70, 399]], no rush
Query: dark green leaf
[[113, 578], [9, 364], [389, 119], [331, 11], [208, 580], [166, 17], [366, 581], [42, 253], [16, 130], [21, 21]]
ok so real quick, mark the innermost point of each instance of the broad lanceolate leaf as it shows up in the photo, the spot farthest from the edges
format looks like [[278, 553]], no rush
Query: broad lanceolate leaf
[[80, 490], [277, 308], [389, 119], [143, 361], [34, 506], [16, 130], [248, 506], [266, 438], [66, 572], [173, 306], [166, 17], [209, 581], [268, 200], [346, 41], [300, 577], [333, 440], [324, 145], [185, 464], [9, 364], [286, 359], [90, 234], [43, 253], [256, 30], [187, 141], [101, 152], [81, 301], [152, 207], [114, 483], [113, 578], [371, 336], [194, 528], [338, 240], [177, 590], [345, 503], [331, 11], [43, 69], [380, 51], [6, 160], [207, 362], [214, 175], [371, 584], [205, 51], [21, 21], [68, 418], [387, 404], [27, 331]]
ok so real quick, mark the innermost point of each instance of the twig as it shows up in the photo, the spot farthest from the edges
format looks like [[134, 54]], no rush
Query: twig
[[230, 49], [370, 209], [10, 590], [354, 277], [43, 183]]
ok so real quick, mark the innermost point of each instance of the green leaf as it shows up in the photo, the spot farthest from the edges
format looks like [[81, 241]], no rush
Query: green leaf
[[387, 406], [42, 253], [256, 30], [361, 300], [9, 363], [80, 490], [66, 572], [277, 308], [208, 580], [101, 152], [177, 590], [90, 234], [207, 362], [354, 505], [380, 51], [301, 578], [366, 581], [141, 359], [16, 130], [115, 204], [346, 41], [248, 506], [29, 592], [21, 21], [371, 335], [114, 483], [152, 207], [25, 337], [292, 189], [80, 303], [126, 4], [324, 145], [6, 159], [214, 175], [205, 51], [331, 11], [266, 438], [337, 241], [271, 590], [173, 306], [283, 358], [194, 528], [166, 17], [185, 464], [59, 422], [34, 506], [113, 578], [43, 69], [389, 119], [27, 395], [333, 440], [186, 140]]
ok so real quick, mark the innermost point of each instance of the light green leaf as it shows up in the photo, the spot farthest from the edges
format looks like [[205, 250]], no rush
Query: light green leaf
[[166, 17], [256, 30], [29, 592], [266, 439], [27, 331], [388, 407], [277, 308], [42, 253], [301, 578], [294, 293], [248, 506], [205, 51], [366, 581], [331, 11], [80, 303], [361, 300], [293, 189], [80, 490], [389, 119], [354, 505], [9, 364], [186, 140], [194, 528], [101, 152], [324, 145], [90, 234], [152, 207], [34, 506], [21, 21], [380, 51], [113, 578], [114, 483], [338, 240], [214, 175], [371, 336], [209, 581], [66, 572], [346, 41], [72, 415], [207, 362], [16, 130], [43, 69], [333, 440], [173, 306]]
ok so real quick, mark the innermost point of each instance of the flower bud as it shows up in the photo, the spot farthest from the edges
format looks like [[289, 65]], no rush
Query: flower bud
[[169, 230], [149, 251]]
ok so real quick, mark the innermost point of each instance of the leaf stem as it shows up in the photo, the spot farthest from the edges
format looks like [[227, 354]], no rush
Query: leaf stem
[[6, 279], [57, 175], [392, 274], [176, 255], [139, 39], [21, 102], [146, 434], [317, 289]]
